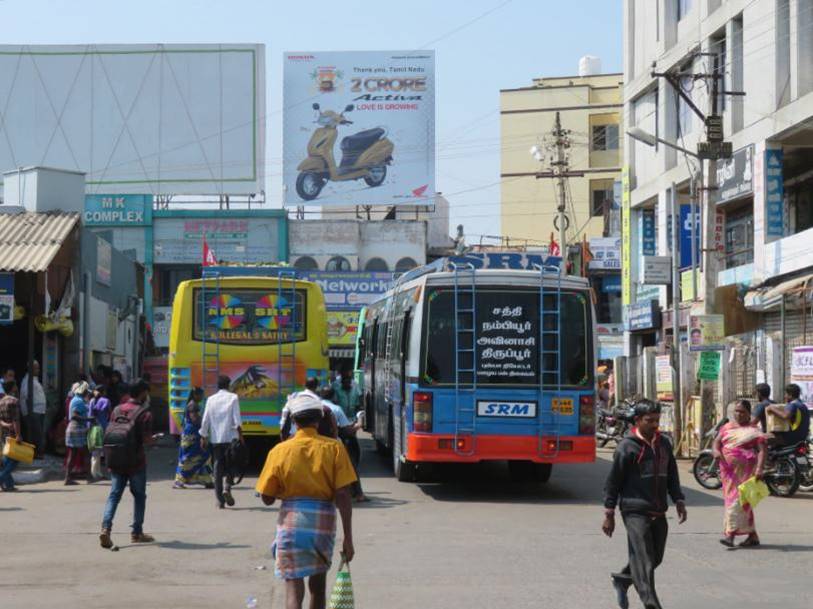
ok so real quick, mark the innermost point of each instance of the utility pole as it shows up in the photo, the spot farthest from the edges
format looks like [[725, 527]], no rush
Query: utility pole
[[560, 171]]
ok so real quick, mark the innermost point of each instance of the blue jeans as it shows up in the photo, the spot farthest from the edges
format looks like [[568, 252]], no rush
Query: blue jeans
[[138, 488], [6, 481]]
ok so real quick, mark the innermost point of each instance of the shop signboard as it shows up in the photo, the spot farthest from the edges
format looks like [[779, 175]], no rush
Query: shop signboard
[[657, 270], [647, 229], [350, 290], [104, 261], [708, 366], [774, 194], [706, 332], [117, 210], [643, 316], [734, 176], [626, 238], [663, 377], [342, 327], [606, 254], [801, 372], [248, 239], [6, 298], [686, 235], [162, 322], [610, 347], [368, 116]]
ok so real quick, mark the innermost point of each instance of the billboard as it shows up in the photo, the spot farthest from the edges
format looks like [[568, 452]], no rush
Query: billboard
[[138, 119], [359, 128]]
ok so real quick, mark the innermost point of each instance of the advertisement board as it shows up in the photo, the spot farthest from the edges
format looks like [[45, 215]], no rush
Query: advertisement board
[[351, 290], [606, 253], [663, 377], [138, 118], [359, 128], [104, 261], [706, 332], [162, 322], [774, 194], [342, 327], [626, 238], [642, 316], [801, 372], [734, 176], [6, 298]]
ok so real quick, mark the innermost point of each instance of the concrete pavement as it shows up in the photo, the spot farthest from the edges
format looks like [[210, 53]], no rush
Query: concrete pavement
[[465, 538]]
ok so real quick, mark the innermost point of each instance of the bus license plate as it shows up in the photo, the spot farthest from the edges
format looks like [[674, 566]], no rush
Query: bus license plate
[[562, 405]]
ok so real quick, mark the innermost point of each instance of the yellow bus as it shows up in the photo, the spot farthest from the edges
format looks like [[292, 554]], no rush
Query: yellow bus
[[268, 334]]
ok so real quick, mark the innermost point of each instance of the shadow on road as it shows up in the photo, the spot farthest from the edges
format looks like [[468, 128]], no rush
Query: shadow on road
[[11, 509], [778, 548], [185, 545]]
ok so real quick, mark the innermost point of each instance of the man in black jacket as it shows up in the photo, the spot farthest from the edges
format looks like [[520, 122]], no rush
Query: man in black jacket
[[643, 471]]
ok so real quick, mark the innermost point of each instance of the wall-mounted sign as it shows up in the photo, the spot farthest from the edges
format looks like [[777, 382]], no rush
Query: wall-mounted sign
[[606, 253], [104, 261], [643, 316], [245, 240], [801, 371], [626, 238], [657, 270], [6, 298], [706, 333], [162, 321], [647, 229], [663, 377], [350, 290], [774, 194], [708, 366], [686, 235], [734, 176], [117, 210]]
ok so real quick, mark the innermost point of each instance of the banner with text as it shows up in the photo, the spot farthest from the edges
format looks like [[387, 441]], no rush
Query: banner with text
[[359, 128]]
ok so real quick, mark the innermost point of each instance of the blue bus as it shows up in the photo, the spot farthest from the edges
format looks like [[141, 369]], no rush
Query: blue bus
[[463, 364]]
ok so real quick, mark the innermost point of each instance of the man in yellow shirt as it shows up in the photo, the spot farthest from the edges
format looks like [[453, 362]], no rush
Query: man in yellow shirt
[[312, 475]]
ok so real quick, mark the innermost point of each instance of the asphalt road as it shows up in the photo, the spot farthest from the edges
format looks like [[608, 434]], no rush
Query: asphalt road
[[467, 538]]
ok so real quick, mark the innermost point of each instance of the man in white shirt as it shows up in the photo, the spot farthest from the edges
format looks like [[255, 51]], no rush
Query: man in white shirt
[[35, 414], [286, 423], [221, 424]]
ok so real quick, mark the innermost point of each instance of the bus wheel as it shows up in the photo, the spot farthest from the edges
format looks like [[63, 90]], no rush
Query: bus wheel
[[542, 472], [404, 470]]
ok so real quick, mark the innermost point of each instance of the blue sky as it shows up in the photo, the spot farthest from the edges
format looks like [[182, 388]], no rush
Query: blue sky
[[517, 41]]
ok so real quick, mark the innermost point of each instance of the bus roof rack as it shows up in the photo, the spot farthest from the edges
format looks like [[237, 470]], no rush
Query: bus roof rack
[[550, 264]]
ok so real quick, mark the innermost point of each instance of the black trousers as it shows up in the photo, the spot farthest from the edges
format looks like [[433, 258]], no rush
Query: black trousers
[[221, 469], [646, 541], [354, 452]]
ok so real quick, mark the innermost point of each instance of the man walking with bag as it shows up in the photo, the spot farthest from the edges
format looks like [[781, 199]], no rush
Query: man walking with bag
[[312, 475], [220, 426], [643, 471], [129, 430]]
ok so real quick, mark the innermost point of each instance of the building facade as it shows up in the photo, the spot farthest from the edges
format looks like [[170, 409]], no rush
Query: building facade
[[762, 248], [590, 108]]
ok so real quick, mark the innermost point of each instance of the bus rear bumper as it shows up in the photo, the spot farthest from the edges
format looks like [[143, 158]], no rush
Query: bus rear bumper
[[439, 448]]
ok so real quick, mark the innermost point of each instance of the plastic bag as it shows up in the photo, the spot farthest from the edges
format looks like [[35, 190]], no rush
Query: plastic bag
[[752, 491], [342, 595], [95, 438]]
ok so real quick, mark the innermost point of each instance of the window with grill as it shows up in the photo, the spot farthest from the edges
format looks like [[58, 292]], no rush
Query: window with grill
[[605, 137]]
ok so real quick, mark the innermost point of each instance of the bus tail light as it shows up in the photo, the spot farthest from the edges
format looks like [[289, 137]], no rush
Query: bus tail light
[[587, 415], [422, 411]]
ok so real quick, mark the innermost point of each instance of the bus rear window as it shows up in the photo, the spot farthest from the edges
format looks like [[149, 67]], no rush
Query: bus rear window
[[249, 316], [504, 347]]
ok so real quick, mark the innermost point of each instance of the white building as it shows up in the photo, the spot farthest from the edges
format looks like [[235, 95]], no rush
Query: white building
[[764, 201]]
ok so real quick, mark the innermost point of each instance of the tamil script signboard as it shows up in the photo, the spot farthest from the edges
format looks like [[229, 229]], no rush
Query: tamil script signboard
[[734, 176], [657, 270], [643, 316], [507, 351], [708, 366], [774, 194], [359, 128]]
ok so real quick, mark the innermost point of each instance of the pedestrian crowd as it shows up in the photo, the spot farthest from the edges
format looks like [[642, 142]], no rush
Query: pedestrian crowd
[[644, 475]]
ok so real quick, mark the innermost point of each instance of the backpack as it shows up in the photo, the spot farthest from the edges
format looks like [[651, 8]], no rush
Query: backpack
[[122, 440]]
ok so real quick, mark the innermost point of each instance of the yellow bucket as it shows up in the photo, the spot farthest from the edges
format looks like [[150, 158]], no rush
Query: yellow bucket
[[19, 451]]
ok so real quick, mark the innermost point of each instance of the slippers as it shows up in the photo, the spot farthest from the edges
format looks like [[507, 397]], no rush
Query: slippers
[[749, 543], [727, 542]]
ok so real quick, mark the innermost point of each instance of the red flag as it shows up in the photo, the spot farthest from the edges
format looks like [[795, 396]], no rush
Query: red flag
[[553, 248], [208, 255]]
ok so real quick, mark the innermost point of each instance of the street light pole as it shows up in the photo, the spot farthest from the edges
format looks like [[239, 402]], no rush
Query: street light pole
[[677, 397]]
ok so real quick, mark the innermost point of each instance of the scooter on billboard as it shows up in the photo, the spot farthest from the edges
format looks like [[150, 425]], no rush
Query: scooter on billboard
[[365, 155]]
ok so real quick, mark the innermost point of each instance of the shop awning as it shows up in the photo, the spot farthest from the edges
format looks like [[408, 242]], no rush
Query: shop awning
[[769, 298], [29, 241]]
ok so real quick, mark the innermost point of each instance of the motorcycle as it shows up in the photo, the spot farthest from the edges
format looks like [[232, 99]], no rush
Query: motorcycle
[[614, 424], [365, 155], [805, 465], [783, 471]]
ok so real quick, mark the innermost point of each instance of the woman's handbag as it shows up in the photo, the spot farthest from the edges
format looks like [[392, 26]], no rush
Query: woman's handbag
[[752, 491], [95, 438], [342, 595]]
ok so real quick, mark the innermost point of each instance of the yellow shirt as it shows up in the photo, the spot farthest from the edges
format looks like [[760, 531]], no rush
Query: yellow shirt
[[307, 465]]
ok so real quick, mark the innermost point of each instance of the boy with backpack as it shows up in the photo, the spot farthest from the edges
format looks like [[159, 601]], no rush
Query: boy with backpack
[[129, 430]]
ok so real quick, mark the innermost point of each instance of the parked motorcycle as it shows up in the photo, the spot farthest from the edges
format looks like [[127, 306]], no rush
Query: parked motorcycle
[[783, 468], [614, 424], [365, 155]]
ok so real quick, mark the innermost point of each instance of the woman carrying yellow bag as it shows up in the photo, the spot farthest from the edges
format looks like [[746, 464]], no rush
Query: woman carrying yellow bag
[[9, 428], [740, 448]]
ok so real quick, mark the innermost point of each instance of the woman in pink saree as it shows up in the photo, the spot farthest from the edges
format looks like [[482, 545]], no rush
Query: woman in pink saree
[[740, 449]]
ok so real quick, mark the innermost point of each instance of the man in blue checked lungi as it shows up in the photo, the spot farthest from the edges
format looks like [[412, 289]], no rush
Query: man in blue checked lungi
[[312, 475]]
